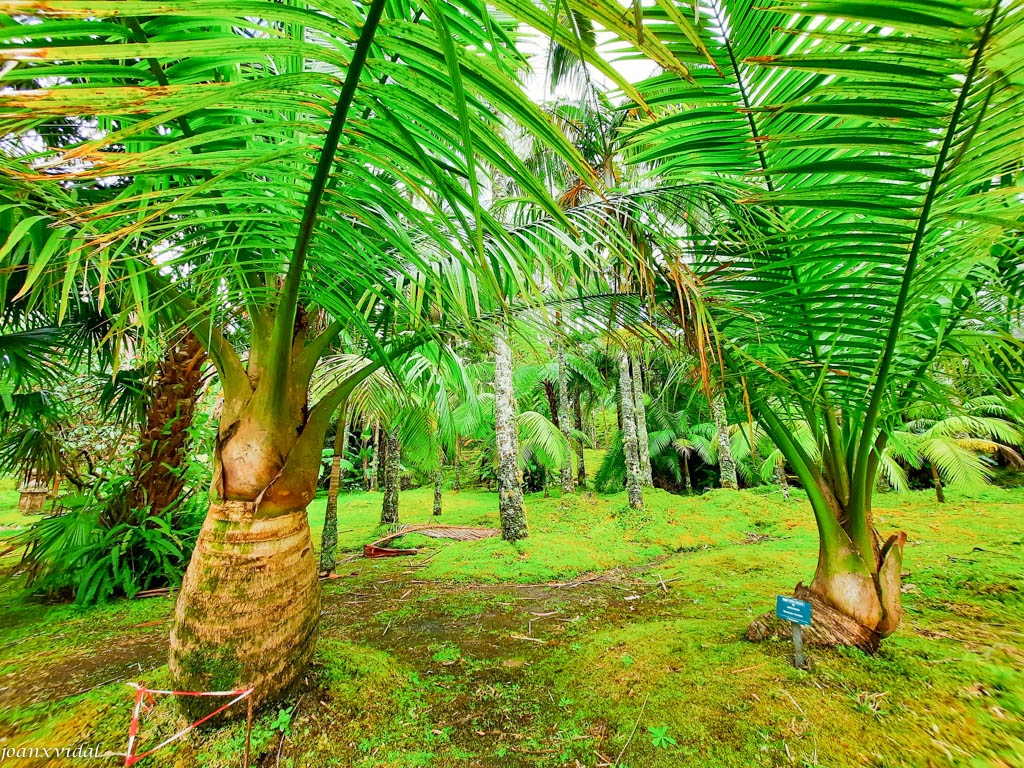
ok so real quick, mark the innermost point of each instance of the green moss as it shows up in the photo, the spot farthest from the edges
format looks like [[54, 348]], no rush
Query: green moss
[[414, 664]]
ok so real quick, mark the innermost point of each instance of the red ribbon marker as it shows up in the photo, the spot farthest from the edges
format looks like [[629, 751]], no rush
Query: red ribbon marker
[[130, 757]]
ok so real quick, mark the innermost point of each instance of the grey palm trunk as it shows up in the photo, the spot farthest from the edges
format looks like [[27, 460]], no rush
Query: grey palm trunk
[[375, 458], [437, 490], [726, 463], [581, 466], [510, 491], [782, 480], [567, 481], [640, 414], [329, 540], [634, 477], [392, 477]]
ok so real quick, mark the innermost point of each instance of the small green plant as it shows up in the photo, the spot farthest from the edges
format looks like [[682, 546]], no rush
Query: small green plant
[[627, 660], [283, 722], [660, 737], [446, 653]]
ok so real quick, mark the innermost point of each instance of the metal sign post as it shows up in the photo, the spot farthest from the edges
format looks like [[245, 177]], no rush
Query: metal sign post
[[798, 614]]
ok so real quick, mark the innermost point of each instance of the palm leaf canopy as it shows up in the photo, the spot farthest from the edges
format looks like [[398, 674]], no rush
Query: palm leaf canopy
[[874, 153], [216, 118]]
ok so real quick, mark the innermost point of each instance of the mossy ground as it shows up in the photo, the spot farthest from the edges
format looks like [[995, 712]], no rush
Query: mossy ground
[[485, 654]]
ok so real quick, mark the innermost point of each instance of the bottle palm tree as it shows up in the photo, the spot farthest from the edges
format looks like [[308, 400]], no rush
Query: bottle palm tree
[[855, 242], [243, 141]]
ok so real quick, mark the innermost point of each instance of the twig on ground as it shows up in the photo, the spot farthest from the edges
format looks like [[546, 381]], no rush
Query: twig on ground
[[633, 732]]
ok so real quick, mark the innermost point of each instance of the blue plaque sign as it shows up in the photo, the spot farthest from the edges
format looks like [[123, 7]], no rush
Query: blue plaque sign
[[791, 609]]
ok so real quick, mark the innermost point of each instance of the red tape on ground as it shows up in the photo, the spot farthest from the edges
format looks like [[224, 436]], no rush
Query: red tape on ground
[[141, 692]]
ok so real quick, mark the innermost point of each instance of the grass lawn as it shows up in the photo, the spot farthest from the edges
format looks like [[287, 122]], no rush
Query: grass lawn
[[607, 635]]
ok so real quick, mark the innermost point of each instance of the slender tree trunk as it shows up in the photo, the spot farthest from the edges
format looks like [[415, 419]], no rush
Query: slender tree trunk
[[457, 468], [634, 477], [782, 480], [375, 462], [510, 491], [329, 540], [163, 448], [438, 475], [567, 483], [687, 486], [581, 466], [392, 477], [640, 413], [940, 495], [363, 446], [726, 463]]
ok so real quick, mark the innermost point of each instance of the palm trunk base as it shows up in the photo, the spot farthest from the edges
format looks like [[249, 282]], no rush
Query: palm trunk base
[[829, 627], [248, 607]]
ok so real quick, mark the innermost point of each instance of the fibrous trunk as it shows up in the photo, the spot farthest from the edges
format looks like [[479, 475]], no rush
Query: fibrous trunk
[[162, 453], [392, 477], [640, 414], [634, 478], [726, 463], [855, 595], [567, 481], [510, 492]]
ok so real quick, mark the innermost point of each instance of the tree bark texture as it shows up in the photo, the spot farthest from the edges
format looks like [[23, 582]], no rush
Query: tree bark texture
[[510, 491], [375, 463], [726, 463], [640, 414], [163, 446], [634, 477], [329, 540], [581, 465], [438, 475], [782, 480], [392, 477], [567, 480], [248, 607]]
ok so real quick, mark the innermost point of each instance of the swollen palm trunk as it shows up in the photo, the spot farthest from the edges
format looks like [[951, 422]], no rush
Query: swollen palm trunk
[[250, 600], [248, 607]]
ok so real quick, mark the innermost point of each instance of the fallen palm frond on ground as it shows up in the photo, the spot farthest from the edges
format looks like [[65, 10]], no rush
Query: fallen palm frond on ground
[[454, 532]]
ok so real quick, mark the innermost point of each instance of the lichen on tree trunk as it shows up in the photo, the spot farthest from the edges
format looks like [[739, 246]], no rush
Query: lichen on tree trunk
[[567, 481], [581, 465], [782, 480], [392, 477], [640, 414], [329, 538], [634, 478], [726, 463], [437, 478], [510, 492]]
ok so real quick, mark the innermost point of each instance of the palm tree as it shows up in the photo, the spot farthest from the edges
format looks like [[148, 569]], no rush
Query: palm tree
[[246, 135], [882, 177], [627, 404], [726, 463], [510, 493]]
